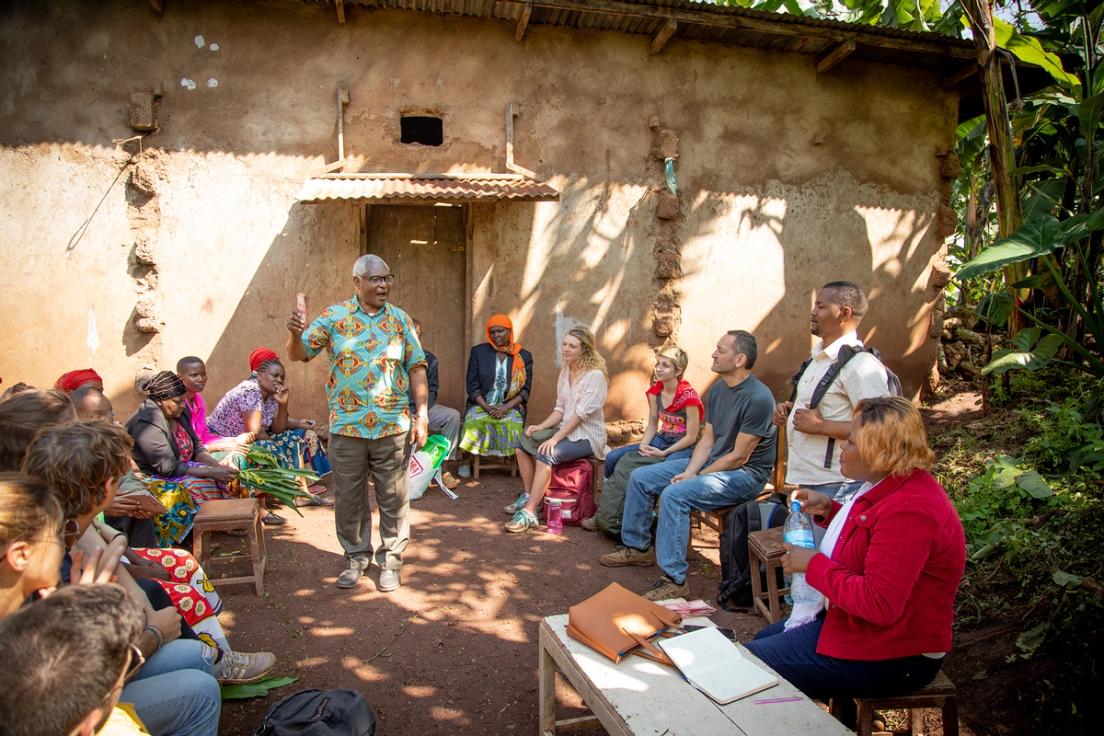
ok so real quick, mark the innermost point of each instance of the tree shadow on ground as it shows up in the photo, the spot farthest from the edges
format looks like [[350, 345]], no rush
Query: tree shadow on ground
[[455, 649]]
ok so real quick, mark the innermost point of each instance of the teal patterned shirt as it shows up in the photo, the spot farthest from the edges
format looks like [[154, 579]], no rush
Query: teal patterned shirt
[[371, 357]]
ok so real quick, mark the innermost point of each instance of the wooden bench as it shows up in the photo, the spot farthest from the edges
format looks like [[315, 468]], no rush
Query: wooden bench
[[939, 693], [225, 515], [765, 548]]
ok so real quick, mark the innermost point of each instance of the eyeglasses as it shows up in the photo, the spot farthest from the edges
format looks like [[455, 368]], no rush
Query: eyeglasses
[[379, 280], [137, 659]]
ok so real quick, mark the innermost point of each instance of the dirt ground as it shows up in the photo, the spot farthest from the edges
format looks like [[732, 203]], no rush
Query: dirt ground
[[454, 650]]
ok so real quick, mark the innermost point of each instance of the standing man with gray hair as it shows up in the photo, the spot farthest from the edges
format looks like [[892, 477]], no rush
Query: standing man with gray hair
[[374, 357]]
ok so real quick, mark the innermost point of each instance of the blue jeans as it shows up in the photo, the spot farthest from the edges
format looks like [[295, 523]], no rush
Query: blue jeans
[[793, 655], [658, 442], [703, 493], [175, 692]]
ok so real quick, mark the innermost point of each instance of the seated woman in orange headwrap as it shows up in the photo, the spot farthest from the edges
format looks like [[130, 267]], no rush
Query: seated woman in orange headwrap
[[500, 376]]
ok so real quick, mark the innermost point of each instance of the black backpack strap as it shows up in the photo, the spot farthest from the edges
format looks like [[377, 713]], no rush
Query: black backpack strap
[[797, 377]]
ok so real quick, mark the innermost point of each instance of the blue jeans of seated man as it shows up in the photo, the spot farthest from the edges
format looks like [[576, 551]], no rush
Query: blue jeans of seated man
[[660, 443], [175, 692], [703, 493]]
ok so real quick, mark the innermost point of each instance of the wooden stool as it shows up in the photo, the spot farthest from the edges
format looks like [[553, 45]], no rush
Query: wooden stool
[[231, 515], [765, 547], [493, 463], [940, 693]]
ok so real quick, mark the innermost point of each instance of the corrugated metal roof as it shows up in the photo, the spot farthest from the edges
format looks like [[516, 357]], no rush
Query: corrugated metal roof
[[710, 23], [425, 187]]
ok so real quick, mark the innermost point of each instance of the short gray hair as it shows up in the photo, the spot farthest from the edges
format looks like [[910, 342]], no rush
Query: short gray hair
[[360, 266]]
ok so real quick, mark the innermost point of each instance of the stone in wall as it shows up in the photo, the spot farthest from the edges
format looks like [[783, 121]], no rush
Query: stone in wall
[[146, 314], [143, 250], [624, 432], [667, 205]]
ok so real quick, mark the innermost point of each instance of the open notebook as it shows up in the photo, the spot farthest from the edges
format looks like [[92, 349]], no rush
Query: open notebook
[[714, 665]]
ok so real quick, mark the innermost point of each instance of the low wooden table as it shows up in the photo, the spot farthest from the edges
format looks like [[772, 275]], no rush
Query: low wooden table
[[642, 697]]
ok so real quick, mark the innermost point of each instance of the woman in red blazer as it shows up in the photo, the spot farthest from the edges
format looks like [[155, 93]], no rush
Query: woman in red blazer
[[889, 568]]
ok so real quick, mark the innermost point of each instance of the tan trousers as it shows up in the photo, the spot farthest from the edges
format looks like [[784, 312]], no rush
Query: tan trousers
[[386, 459]]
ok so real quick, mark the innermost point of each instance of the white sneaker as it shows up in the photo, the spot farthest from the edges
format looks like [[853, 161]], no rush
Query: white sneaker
[[242, 668]]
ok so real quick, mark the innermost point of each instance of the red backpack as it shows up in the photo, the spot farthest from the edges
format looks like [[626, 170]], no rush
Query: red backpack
[[570, 485]]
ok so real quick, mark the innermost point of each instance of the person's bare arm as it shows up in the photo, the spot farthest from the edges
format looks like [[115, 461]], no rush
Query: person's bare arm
[[420, 388], [738, 456]]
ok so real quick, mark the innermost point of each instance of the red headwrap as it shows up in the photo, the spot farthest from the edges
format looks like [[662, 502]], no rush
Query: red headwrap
[[259, 356], [71, 381]]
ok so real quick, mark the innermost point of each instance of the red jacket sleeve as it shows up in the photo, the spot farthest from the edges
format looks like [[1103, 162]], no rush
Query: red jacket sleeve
[[900, 543]]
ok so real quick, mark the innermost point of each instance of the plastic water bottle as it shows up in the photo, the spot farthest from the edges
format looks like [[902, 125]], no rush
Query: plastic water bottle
[[553, 516], [798, 531]]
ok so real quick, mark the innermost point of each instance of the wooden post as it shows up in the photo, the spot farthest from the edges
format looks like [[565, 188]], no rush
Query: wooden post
[[1001, 158]]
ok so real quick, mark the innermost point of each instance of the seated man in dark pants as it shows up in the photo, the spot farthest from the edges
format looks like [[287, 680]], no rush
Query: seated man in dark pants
[[730, 465], [443, 420]]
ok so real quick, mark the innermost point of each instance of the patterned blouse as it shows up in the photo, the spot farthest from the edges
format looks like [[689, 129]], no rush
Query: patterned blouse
[[226, 419]]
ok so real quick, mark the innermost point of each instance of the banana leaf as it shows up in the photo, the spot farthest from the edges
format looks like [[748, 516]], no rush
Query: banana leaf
[[257, 689]]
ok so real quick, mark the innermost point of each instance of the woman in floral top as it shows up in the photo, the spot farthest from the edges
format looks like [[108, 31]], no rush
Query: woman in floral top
[[259, 405]]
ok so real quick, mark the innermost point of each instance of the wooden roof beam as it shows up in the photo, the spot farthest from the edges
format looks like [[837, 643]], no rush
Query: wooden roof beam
[[961, 75], [523, 21], [340, 4], [664, 35], [835, 56]]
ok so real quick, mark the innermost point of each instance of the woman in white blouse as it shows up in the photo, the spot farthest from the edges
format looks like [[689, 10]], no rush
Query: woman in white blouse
[[576, 427]]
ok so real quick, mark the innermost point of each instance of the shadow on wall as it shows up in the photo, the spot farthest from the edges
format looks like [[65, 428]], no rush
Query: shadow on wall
[[598, 270], [816, 246], [314, 254]]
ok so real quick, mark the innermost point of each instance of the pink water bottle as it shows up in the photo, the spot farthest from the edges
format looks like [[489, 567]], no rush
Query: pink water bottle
[[554, 515]]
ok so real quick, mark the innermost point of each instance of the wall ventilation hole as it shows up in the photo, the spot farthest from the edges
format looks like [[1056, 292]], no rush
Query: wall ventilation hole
[[424, 129]]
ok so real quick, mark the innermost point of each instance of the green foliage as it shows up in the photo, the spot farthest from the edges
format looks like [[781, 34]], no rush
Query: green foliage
[[1059, 159], [1034, 522], [257, 689], [264, 474], [914, 15]]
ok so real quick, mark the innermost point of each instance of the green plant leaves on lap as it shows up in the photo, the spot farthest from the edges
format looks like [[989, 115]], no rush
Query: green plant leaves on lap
[[257, 689]]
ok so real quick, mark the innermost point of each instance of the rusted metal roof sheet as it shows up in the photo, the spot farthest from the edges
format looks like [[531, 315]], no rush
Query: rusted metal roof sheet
[[710, 23], [425, 187]]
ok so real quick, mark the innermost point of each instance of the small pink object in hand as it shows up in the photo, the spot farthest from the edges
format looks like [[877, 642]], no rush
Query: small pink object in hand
[[302, 301]]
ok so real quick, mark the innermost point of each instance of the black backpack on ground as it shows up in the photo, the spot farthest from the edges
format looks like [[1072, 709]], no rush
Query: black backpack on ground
[[735, 591], [320, 713]]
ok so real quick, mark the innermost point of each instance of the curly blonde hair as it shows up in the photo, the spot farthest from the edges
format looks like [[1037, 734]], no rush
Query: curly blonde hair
[[590, 359]]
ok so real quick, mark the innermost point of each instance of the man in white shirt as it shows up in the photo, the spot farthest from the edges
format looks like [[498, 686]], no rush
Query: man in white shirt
[[814, 433]]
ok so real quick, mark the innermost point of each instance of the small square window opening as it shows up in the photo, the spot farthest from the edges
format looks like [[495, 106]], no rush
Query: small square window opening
[[425, 129]]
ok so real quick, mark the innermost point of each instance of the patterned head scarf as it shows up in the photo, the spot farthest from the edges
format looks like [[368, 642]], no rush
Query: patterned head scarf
[[71, 381], [517, 373], [165, 385]]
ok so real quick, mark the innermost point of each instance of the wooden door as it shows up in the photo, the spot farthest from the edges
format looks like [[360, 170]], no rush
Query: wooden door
[[425, 246]]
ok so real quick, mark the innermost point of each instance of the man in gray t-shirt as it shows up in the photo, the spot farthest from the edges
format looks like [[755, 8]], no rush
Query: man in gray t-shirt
[[730, 465]]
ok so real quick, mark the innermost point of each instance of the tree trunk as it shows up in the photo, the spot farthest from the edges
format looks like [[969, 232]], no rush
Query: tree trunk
[[1001, 158]]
